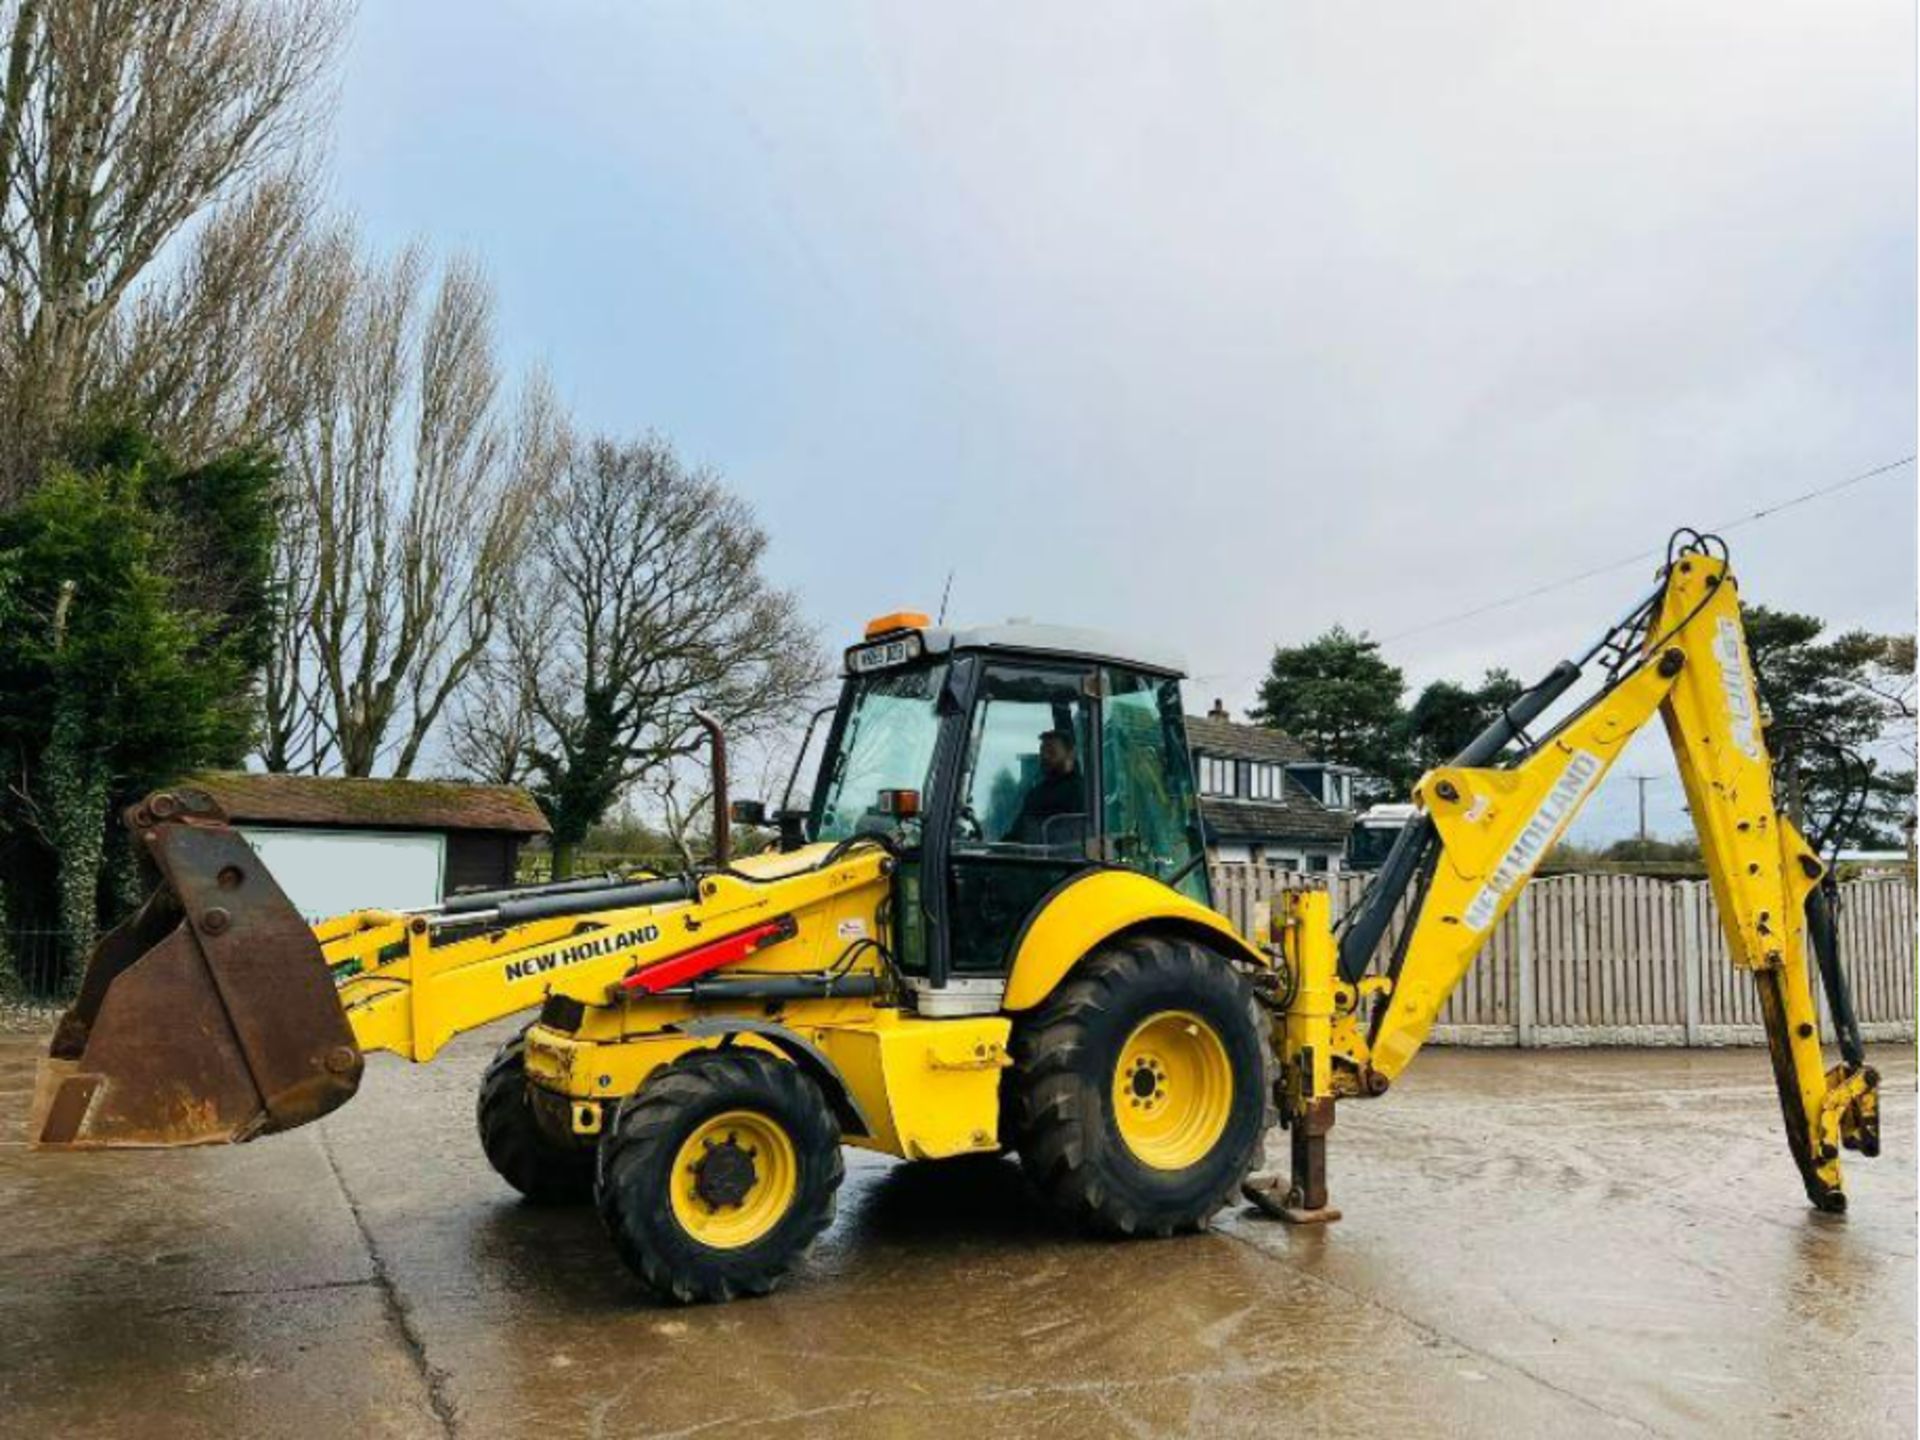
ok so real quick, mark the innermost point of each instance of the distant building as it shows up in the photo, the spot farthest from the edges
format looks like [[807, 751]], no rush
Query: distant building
[[1264, 799], [336, 844]]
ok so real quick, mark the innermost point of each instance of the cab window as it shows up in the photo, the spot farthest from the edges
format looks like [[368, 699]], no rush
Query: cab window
[[1025, 788], [1151, 820]]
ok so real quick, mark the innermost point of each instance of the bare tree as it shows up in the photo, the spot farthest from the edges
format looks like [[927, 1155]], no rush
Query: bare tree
[[120, 122], [759, 764], [412, 491], [207, 355], [647, 600], [492, 727]]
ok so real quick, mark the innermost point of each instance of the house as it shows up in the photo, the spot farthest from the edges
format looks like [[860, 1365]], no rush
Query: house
[[336, 844], [1264, 799]]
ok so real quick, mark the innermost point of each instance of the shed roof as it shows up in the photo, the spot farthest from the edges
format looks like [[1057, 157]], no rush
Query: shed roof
[[331, 801]]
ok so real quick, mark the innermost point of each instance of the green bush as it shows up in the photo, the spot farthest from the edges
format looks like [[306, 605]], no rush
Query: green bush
[[135, 610]]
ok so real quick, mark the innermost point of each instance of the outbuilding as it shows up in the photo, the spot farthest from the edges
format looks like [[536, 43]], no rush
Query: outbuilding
[[338, 844]]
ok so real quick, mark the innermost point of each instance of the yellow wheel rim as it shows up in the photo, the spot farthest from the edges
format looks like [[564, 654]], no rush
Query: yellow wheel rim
[[733, 1179], [1172, 1090]]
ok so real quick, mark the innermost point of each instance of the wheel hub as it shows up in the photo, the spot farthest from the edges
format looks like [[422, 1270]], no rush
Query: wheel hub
[[1172, 1090], [1148, 1083], [725, 1174]]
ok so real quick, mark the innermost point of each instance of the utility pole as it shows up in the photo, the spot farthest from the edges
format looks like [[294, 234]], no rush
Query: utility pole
[[1642, 781]]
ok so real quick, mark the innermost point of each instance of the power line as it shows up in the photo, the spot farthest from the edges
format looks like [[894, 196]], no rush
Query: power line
[[1646, 555]]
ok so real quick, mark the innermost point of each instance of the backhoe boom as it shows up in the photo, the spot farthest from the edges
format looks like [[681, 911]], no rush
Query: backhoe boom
[[1483, 829]]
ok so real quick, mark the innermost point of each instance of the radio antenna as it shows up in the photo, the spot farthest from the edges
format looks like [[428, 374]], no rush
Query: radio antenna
[[945, 592]]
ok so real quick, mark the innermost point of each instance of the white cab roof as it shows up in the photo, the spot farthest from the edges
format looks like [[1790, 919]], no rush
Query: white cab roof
[[1057, 640]]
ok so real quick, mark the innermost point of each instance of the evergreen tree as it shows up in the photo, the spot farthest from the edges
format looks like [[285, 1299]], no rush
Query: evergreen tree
[[1340, 699], [136, 610]]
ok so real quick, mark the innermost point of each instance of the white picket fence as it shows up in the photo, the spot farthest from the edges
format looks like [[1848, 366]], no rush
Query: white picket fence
[[1607, 959]]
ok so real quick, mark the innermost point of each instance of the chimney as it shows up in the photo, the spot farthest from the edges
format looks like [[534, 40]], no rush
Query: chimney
[[1219, 711]]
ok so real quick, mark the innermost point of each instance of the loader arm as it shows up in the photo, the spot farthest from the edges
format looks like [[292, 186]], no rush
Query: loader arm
[[410, 983], [217, 1014], [1483, 829]]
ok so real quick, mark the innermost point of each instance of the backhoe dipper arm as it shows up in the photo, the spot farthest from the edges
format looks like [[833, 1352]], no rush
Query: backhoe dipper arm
[[1483, 831]]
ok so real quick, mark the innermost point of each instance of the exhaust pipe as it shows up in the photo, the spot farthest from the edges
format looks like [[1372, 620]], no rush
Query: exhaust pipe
[[722, 813]]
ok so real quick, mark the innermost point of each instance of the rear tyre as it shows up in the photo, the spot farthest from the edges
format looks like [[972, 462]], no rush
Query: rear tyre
[[1141, 1095], [719, 1174], [521, 1153]]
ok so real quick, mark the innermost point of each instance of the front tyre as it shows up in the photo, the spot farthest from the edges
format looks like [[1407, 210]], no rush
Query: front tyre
[[719, 1174], [521, 1153], [1140, 1087]]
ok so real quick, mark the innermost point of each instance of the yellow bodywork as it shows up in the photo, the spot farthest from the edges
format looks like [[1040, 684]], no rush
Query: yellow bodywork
[[1094, 908], [432, 988], [924, 1088]]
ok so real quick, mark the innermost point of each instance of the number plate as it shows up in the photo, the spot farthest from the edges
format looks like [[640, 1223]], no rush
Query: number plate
[[885, 655]]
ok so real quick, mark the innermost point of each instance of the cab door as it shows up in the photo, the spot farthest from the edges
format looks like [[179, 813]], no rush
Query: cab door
[[1150, 818], [1023, 820]]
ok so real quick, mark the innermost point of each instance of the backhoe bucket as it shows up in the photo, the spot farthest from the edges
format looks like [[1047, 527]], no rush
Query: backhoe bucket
[[209, 1017]]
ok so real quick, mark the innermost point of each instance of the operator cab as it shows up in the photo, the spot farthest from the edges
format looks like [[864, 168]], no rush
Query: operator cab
[[1004, 762]]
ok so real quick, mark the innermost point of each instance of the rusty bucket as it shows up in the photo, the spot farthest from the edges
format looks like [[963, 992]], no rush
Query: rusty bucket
[[209, 1017]]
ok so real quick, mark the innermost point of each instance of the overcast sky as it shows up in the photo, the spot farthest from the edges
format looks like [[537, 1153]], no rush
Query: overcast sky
[[1214, 324]]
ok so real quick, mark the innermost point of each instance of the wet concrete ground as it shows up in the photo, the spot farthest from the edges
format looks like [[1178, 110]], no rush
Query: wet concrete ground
[[1572, 1244]]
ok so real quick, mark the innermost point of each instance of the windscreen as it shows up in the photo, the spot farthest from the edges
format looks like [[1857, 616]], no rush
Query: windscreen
[[883, 742]]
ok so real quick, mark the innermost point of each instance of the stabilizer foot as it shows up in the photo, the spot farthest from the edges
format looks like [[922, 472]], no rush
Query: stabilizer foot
[[1275, 1195]]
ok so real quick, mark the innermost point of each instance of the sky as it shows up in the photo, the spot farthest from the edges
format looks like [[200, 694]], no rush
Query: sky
[[1212, 324]]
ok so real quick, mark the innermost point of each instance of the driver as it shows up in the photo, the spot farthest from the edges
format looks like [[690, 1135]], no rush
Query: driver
[[1058, 791]]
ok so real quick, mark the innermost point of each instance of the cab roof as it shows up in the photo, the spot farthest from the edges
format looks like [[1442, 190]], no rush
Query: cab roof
[[1024, 637]]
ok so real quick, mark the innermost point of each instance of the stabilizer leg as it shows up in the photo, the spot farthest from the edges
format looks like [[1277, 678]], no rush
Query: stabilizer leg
[[1300, 1198], [1303, 1040]]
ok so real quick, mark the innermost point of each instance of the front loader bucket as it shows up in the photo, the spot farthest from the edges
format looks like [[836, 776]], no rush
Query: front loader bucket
[[207, 1018]]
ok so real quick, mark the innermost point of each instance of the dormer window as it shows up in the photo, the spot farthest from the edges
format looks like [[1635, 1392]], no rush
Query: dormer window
[[1217, 776], [1266, 782]]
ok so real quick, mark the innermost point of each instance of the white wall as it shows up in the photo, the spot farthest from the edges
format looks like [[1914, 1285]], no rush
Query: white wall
[[329, 872]]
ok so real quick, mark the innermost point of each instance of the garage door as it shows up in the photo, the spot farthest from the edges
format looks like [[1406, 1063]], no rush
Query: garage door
[[329, 872]]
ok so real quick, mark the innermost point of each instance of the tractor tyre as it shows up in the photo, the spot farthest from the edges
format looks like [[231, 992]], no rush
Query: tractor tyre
[[521, 1153], [1141, 1087], [716, 1177]]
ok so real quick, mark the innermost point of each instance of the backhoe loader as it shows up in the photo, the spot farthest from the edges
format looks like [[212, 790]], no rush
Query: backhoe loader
[[989, 929]]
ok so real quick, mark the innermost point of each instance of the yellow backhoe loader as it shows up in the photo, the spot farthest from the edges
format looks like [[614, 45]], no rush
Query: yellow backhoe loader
[[989, 930]]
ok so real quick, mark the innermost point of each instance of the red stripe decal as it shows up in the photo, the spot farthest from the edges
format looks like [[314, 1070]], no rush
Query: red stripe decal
[[689, 964]]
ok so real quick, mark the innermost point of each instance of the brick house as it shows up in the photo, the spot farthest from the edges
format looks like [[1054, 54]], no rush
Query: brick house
[[1264, 799]]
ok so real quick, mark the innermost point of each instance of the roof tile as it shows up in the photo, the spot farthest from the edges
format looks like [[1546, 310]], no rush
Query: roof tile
[[331, 800], [1263, 821], [1234, 741]]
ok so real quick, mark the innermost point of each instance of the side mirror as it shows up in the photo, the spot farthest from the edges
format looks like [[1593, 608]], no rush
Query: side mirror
[[793, 828], [748, 812]]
